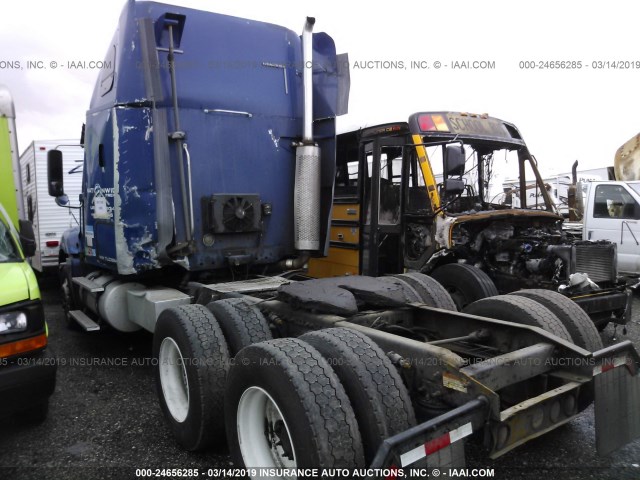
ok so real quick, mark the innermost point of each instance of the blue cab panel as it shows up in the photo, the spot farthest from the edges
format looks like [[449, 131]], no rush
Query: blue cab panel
[[240, 107]]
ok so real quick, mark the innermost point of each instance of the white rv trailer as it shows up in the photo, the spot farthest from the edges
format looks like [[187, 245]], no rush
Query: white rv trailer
[[559, 187], [49, 220]]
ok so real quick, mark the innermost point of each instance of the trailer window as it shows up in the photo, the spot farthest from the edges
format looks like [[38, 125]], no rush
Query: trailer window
[[30, 210], [614, 201]]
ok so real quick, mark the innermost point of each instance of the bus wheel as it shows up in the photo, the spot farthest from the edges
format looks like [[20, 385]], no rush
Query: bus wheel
[[517, 309], [431, 292], [465, 283], [191, 362], [582, 330], [286, 408]]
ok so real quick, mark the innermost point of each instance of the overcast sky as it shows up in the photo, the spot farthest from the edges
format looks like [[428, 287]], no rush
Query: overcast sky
[[564, 115]]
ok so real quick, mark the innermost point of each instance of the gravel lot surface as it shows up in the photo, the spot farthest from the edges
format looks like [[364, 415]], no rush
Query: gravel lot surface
[[104, 420]]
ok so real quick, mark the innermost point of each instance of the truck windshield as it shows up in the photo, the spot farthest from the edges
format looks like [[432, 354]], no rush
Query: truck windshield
[[499, 171], [492, 178], [8, 250]]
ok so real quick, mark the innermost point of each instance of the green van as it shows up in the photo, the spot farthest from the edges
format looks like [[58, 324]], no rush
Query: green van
[[27, 366]]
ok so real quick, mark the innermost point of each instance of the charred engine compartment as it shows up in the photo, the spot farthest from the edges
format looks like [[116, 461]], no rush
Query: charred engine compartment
[[531, 253]]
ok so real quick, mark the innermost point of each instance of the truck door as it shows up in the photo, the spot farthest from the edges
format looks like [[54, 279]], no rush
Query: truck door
[[381, 249], [614, 215]]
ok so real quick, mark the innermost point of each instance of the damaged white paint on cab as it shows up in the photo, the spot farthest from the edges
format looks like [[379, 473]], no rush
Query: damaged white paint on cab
[[149, 129], [127, 248], [123, 255]]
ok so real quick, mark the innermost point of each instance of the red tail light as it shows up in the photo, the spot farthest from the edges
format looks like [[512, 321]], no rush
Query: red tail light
[[426, 123], [432, 123]]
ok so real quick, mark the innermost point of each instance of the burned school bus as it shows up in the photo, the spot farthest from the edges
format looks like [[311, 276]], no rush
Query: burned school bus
[[393, 212]]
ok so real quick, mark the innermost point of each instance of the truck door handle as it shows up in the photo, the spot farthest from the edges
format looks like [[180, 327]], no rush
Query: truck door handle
[[589, 234]]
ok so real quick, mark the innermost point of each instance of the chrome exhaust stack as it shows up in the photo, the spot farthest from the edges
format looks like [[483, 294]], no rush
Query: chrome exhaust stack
[[306, 208]]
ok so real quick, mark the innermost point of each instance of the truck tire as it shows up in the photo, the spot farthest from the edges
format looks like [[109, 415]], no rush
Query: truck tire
[[465, 283], [379, 398], [286, 408], [519, 309], [192, 364], [241, 322], [431, 292], [582, 330]]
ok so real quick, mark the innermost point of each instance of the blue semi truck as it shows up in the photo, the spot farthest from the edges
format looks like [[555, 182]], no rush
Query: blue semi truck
[[210, 158]]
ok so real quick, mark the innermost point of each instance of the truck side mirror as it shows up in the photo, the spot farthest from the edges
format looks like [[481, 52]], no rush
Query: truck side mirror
[[54, 173], [453, 187], [454, 160], [27, 238]]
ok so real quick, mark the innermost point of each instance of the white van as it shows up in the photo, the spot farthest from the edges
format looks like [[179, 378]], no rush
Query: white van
[[49, 220], [612, 212]]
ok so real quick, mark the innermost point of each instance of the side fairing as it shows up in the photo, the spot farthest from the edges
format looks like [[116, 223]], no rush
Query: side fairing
[[120, 227]]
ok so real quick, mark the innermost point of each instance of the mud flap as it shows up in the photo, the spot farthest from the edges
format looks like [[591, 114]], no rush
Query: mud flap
[[617, 403], [438, 442], [449, 457]]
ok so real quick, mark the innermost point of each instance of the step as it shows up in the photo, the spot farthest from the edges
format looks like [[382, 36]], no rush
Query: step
[[84, 321], [88, 284]]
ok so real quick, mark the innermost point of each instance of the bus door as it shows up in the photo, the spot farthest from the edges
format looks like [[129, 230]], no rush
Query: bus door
[[381, 231], [344, 234], [418, 217]]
